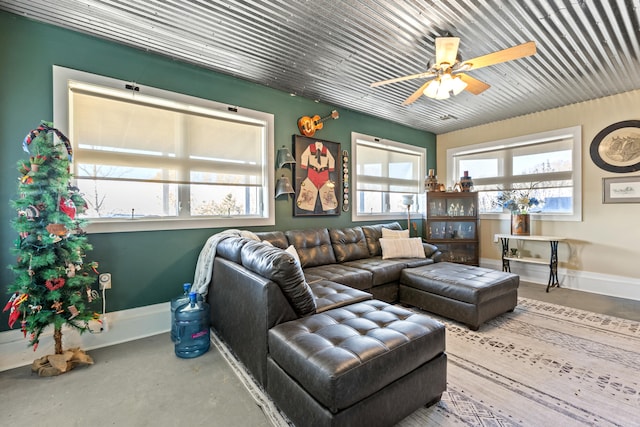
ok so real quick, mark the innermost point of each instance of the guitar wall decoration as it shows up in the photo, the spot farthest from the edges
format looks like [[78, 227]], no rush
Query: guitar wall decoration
[[309, 125]]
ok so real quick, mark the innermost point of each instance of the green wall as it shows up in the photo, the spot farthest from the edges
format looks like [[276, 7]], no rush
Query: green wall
[[147, 267]]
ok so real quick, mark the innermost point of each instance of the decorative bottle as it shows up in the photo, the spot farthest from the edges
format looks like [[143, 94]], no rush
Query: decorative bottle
[[466, 182]]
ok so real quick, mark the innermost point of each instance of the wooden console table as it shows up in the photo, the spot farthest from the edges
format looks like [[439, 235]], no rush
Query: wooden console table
[[553, 258]]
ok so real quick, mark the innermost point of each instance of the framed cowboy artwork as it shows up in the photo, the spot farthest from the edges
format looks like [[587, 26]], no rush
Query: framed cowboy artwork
[[318, 179]]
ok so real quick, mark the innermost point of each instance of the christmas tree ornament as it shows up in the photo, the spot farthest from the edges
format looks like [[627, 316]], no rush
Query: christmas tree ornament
[[57, 229], [67, 206], [57, 306], [31, 212], [54, 284], [73, 310]]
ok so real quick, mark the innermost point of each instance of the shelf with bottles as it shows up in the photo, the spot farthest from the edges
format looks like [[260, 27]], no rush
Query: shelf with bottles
[[452, 225], [461, 253], [452, 206], [452, 230]]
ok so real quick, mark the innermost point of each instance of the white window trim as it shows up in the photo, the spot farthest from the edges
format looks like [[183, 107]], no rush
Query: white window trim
[[61, 77], [574, 132], [418, 204]]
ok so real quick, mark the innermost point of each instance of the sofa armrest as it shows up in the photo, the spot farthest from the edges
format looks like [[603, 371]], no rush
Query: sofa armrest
[[244, 306], [429, 249]]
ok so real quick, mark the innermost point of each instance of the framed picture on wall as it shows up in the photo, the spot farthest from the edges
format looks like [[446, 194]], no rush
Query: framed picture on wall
[[318, 183], [621, 190], [616, 148]]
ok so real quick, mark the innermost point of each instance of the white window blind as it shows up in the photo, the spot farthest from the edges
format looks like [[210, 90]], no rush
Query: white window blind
[[385, 171], [150, 155]]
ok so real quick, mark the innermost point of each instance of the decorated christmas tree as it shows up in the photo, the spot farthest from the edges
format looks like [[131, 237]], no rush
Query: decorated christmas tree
[[53, 280]]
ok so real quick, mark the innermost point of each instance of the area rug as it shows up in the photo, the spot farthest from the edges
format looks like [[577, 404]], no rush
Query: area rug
[[541, 365]]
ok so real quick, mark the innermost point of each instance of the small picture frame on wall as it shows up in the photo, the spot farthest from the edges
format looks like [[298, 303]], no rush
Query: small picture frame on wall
[[318, 183], [621, 190]]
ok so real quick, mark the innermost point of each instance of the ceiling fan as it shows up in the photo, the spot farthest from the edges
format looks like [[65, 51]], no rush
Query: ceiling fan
[[447, 76]]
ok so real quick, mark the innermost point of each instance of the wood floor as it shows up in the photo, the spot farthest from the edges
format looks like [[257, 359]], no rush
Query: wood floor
[[612, 306]]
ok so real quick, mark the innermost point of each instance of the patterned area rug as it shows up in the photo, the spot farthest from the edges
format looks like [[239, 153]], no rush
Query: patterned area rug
[[542, 365]]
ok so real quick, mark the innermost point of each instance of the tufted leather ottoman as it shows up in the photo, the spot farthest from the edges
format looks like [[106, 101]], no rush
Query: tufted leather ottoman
[[368, 363], [468, 294]]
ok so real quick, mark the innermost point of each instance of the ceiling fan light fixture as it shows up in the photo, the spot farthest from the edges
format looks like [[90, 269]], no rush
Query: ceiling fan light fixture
[[444, 86], [457, 85], [431, 91]]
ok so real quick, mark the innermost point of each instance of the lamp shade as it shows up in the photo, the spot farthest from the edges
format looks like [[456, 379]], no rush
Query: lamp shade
[[457, 85], [407, 199], [284, 157], [283, 186]]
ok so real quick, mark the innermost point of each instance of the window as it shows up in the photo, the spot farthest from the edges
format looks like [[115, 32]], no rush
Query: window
[[147, 158], [547, 165], [384, 172]]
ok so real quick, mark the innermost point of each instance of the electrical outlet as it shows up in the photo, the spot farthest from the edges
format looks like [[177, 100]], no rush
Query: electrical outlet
[[105, 281]]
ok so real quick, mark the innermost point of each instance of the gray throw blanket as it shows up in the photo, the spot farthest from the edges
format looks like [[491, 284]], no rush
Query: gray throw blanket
[[204, 267]]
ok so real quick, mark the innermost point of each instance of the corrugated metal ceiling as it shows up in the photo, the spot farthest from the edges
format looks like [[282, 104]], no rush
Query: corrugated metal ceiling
[[331, 51]]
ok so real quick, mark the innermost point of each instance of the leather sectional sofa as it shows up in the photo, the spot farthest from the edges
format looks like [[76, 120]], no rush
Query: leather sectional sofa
[[320, 333], [325, 350]]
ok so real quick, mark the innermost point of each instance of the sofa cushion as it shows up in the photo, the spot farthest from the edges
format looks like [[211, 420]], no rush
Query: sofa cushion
[[230, 248], [277, 265], [341, 273], [276, 238], [313, 246], [291, 250], [349, 244], [395, 234], [383, 270], [331, 295], [373, 233], [402, 248]]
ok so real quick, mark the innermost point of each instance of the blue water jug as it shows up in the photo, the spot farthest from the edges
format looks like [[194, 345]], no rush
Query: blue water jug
[[175, 303], [192, 327]]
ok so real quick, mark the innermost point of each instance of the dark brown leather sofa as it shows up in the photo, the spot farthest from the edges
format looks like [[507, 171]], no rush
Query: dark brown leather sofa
[[318, 335]]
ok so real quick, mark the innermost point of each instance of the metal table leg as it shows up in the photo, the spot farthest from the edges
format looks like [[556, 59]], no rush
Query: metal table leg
[[553, 266], [505, 252]]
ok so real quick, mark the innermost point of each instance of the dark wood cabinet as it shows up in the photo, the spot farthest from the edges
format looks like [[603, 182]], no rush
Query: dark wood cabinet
[[452, 225]]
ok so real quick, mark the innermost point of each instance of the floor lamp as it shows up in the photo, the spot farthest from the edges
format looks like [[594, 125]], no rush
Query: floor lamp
[[407, 200]]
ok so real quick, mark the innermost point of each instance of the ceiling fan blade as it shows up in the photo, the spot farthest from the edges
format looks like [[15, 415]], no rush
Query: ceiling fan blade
[[509, 54], [416, 94], [403, 78], [474, 85], [447, 50]]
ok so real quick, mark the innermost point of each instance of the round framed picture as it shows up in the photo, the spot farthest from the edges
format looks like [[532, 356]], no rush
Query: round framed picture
[[616, 148]]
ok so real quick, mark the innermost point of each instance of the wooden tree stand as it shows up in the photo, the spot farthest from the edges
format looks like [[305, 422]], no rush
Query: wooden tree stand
[[61, 362], [56, 364]]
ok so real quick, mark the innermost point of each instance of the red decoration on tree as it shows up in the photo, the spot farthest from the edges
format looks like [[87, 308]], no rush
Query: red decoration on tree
[[54, 284], [67, 206]]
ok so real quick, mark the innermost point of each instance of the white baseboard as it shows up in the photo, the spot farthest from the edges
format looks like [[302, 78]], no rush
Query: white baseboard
[[125, 325], [586, 281]]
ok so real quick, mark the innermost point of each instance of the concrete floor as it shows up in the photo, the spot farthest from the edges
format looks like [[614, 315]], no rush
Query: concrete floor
[[138, 383], [142, 383]]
